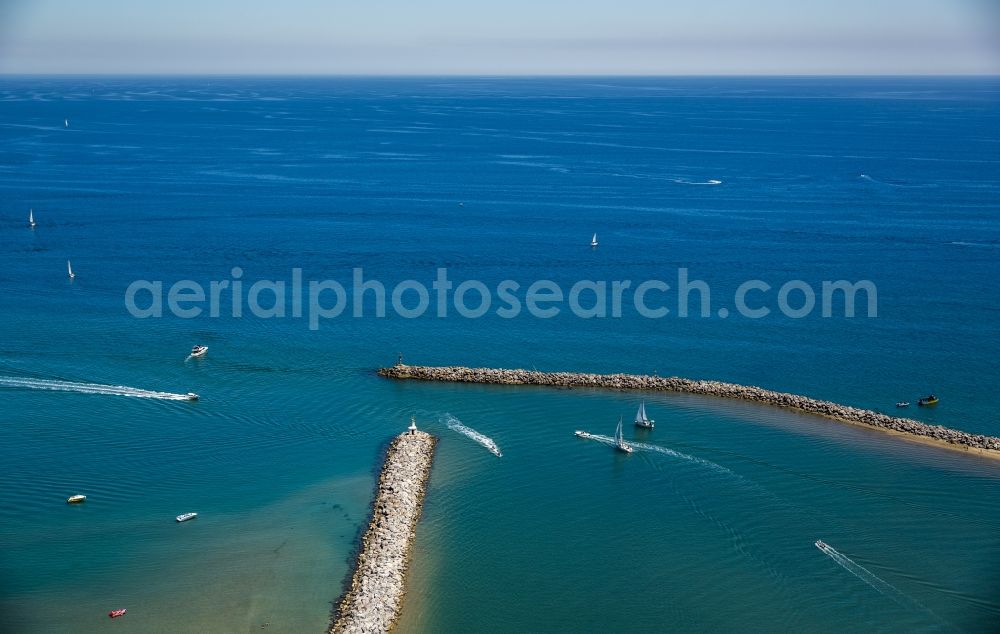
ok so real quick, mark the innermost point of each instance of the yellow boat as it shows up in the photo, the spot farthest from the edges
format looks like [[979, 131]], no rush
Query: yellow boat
[[928, 400]]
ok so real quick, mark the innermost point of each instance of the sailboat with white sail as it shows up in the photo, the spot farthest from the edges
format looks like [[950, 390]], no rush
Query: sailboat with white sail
[[620, 443], [593, 241], [69, 269], [31, 218], [641, 420]]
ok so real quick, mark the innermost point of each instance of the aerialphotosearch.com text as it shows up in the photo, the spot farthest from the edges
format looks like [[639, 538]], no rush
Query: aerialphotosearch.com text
[[316, 300]]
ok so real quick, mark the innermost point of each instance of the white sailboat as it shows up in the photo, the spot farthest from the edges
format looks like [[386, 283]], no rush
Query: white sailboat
[[593, 241], [69, 269], [31, 218], [65, 123], [641, 420], [620, 443]]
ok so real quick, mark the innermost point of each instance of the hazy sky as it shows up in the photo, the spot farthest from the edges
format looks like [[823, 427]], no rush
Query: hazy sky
[[509, 37]]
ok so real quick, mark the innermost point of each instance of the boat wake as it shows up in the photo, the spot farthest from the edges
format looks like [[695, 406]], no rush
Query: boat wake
[[684, 181], [881, 585], [456, 425], [642, 446], [88, 388], [859, 571]]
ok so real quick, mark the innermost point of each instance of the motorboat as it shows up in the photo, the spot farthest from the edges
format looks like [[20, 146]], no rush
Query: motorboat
[[928, 400], [903, 404], [76, 499], [821, 544], [198, 351], [191, 396], [183, 517], [116, 613]]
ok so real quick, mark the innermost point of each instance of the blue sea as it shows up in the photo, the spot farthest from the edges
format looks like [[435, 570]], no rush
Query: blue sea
[[709, 526]]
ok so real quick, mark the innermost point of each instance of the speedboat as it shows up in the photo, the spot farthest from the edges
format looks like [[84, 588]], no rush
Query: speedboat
[[183, 517], [821, 544], [191, 396], [116, 613], [76, 499], [928, 400], [903, 404], [198, 351]]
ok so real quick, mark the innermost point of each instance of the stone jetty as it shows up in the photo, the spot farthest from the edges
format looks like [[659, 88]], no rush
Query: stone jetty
[[372, 602], [935, 434]]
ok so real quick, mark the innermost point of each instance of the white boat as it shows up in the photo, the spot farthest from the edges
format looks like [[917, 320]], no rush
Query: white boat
[[821, 544], [183, 517], [191, 396], [69, 269], [593, 241], [903, 404], [76, 499], [620, 443], [31, 218], [66, 123], [199, 351], [641, 420]]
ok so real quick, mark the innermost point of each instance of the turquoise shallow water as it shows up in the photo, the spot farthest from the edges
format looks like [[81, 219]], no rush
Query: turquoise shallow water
[[708, 526]]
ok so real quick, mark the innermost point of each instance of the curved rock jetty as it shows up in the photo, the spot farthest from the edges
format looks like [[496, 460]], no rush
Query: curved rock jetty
[[936, 434], [372, 603]]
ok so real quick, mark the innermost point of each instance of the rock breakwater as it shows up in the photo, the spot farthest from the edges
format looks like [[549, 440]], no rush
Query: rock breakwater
[[936, 434], [372, 603]]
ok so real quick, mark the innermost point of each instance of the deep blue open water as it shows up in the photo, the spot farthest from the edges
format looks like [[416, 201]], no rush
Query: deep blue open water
[[708, 526]]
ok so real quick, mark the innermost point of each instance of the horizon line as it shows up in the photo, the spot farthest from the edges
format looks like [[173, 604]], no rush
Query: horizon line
[[506, 75]]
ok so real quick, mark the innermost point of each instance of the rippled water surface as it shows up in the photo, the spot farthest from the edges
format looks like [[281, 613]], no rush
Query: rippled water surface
[[709, 526]]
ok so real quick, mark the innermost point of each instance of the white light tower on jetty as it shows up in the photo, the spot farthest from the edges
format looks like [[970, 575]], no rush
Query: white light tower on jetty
[[413, 425]]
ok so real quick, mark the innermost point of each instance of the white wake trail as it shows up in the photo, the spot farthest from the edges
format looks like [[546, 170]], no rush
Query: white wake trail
[[88, 388], [666, 451], [456, 425], [859, 571]]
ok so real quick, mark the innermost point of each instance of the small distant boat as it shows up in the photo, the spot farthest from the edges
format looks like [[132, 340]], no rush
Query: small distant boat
[[903, 404], [928, 400], [821, 544], [199, 351], [116, 613], [191, 396], [31, 218], [641, 420], [620, 443], [76, 499], [69, 269], [593, 241], [183, 517]]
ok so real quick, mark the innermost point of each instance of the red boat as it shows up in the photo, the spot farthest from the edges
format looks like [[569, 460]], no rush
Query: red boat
[[116, 613]]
